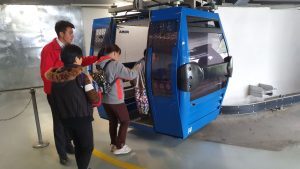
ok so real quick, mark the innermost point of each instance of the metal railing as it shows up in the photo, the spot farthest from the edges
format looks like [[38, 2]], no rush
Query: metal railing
[[41, 143]]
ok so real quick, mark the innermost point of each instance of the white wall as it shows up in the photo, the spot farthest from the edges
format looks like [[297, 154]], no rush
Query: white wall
[[285, 36], [264, 45], [88, 15], [132, 43]]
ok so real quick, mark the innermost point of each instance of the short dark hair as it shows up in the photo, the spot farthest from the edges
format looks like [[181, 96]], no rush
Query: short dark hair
[[69, 53], [61, 26], [109, 49]]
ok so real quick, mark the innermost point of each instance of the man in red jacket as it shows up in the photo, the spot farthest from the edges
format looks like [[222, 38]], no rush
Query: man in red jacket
[[50, 57]]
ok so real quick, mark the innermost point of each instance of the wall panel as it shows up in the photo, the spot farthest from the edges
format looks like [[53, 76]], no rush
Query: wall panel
[[24, 30]]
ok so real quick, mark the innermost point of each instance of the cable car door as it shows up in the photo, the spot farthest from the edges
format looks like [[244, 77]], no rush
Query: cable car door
[[161, 76], [103, 32]]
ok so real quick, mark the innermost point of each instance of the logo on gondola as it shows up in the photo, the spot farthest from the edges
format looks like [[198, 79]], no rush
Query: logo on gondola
[[124, 31]]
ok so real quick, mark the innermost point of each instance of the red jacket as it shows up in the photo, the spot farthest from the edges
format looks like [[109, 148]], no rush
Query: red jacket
[[50, 57]]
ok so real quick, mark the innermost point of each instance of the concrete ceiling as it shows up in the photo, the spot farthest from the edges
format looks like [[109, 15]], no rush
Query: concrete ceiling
[[275, 1], [290, 3], [60, 2]]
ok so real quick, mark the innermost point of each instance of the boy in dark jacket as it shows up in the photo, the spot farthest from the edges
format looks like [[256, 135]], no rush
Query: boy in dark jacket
[[73, 96]]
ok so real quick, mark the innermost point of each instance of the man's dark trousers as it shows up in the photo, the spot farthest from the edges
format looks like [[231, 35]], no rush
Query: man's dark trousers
[[61, 135]]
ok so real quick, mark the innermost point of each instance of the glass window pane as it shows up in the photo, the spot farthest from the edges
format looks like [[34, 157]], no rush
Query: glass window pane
[[98, 39], [162, 39], [207, 48]]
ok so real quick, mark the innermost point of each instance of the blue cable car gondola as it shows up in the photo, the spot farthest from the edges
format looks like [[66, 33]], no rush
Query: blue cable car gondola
[[187, 69]]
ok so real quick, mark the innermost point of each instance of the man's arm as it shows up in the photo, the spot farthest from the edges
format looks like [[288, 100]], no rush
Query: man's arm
[[88, 60], [47, 62]]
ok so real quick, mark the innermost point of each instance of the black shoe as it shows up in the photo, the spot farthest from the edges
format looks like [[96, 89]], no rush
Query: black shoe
[[64, 160], [70, 149]]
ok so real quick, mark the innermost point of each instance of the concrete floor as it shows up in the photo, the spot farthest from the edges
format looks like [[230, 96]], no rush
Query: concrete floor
[[269, 130], [150, 150]]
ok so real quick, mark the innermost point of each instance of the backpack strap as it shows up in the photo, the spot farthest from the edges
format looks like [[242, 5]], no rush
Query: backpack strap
[[104, 67], [114, 81]]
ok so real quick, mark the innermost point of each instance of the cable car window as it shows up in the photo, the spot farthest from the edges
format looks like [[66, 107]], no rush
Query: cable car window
[[98, 39], [207, 48], [162, 39]]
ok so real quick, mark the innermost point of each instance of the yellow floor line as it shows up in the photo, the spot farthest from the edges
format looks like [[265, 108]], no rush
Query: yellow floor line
[[114, 161]]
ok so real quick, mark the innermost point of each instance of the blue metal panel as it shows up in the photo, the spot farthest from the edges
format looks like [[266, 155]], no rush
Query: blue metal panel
[[200, 14], [205, 105], [165, 105], [166, 14], [202, 122], [184, 97], [99, 23], [200, 110], [197, 113], [149, 91]]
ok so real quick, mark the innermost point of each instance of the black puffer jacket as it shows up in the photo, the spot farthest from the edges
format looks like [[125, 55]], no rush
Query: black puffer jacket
[[68, 90]]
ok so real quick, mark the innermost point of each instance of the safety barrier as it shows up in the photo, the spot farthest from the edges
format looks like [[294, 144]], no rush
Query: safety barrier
[[41, 143]]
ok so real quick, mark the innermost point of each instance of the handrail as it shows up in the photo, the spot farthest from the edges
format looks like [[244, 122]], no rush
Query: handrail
[[26, 88], [275, 103]]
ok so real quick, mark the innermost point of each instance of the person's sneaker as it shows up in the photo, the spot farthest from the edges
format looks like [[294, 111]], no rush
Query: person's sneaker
[[124, 150], [113, 148], [64, 160], [70, 149]]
